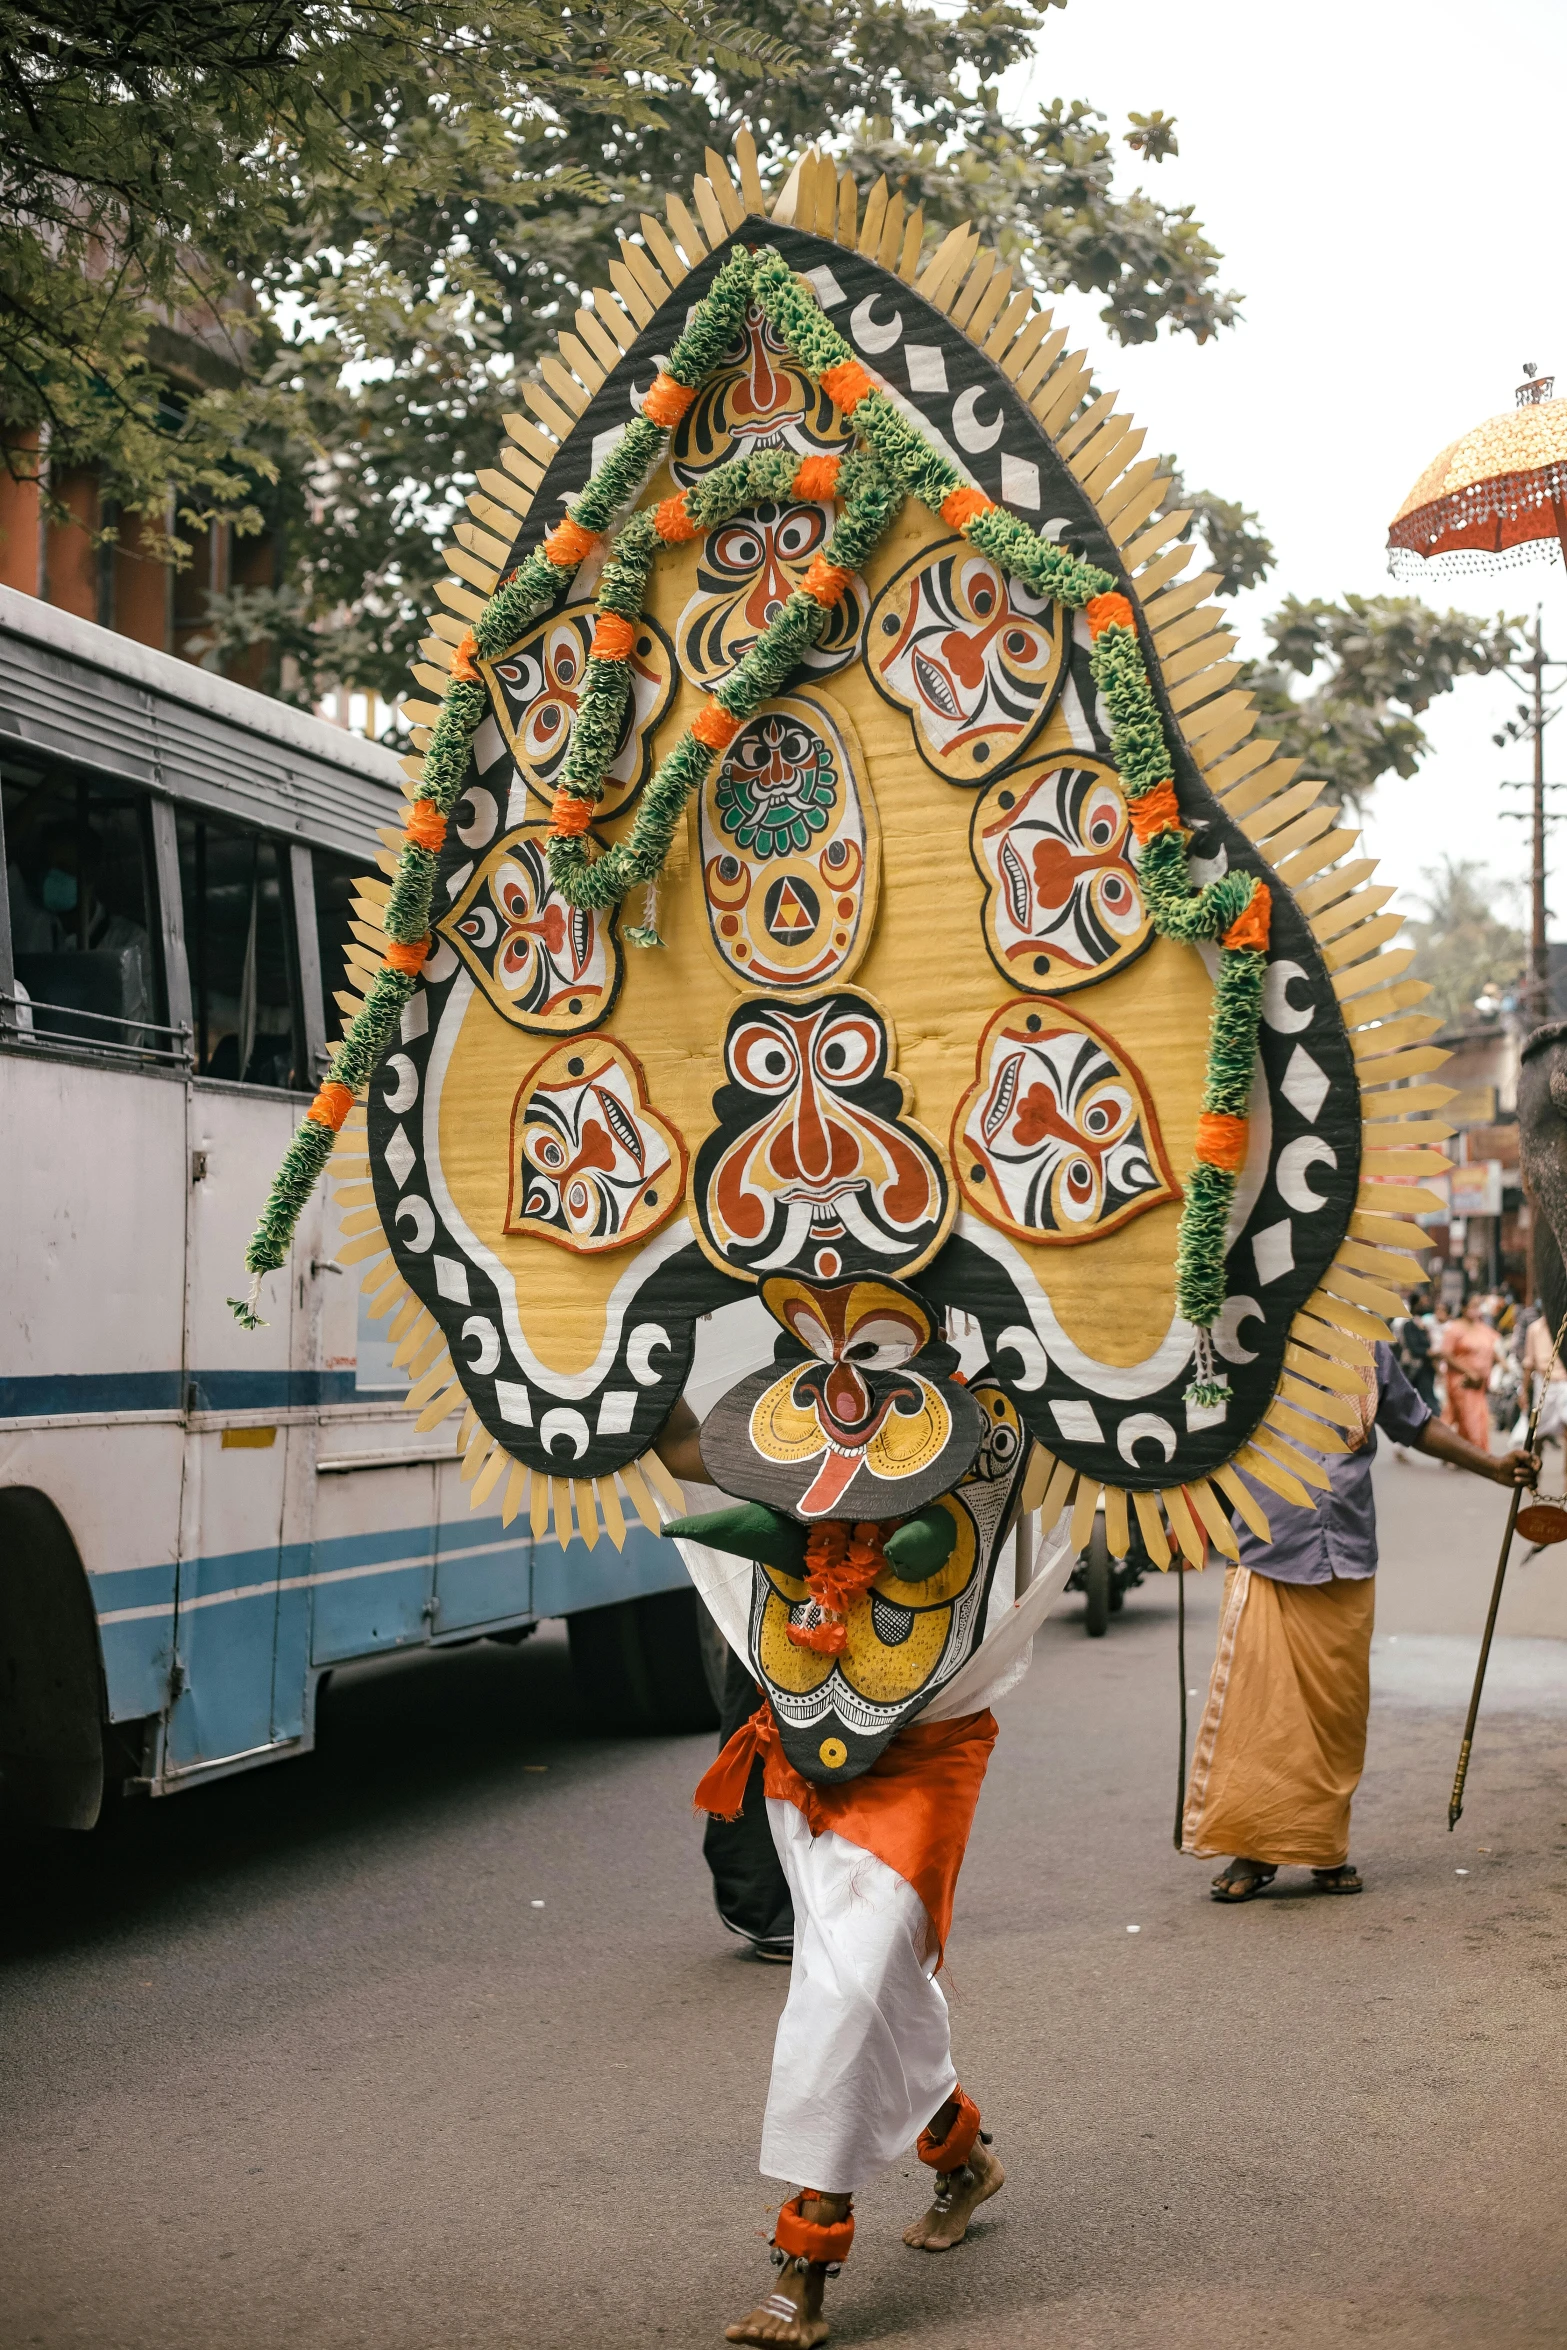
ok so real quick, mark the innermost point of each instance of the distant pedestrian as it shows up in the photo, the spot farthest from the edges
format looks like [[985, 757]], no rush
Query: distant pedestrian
[[1469, 1348], [1283, 1736], [1414, 1355]]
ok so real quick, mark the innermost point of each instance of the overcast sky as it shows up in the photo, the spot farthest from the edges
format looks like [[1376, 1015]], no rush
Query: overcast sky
[[1384, 180]]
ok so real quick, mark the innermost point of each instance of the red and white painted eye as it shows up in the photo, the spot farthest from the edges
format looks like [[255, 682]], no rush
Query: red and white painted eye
[[1118, 902], [1105, 1114], [480, 927], [1103, 818], [798, 533], [978, 590], [764, 1058], [846, 1050], [564, 658], [547, 1152], [524, 676], [1077, 1191]]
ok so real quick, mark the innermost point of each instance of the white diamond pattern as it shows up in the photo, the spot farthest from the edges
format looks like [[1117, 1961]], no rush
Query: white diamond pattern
[[1305, 1087]]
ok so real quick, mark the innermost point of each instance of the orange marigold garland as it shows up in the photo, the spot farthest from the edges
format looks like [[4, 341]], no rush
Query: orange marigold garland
[[841, 1560]]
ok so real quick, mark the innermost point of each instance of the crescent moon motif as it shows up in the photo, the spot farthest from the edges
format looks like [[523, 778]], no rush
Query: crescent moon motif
[[645, 1340], [1289, 1171], [418, 1213], [1225, 1331], [487, 1342], [966, 423], [1139, 1425], [871, 333], [571, 1425], [405, 1092], [476, 833], [1018, 1339], [1281, 1015]]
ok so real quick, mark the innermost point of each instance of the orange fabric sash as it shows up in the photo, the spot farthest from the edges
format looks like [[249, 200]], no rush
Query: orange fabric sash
[[913, 1808]]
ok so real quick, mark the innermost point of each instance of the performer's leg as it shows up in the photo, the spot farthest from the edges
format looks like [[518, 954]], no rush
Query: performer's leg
[[811, 2242], [967, 2174], [749, 1887]]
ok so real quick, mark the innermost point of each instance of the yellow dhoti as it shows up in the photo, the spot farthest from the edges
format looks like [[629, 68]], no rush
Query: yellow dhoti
[[1283, 1736]]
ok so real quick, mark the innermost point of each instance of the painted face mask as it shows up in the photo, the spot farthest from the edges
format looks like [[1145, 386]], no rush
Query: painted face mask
[[812, 1168], [1057, 1139], [861, 1384], [972, 656], [1063, 904], [759, 398], [747, 570]]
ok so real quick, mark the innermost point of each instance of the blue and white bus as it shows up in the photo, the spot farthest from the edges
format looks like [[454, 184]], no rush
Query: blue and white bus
[[196, 1523]]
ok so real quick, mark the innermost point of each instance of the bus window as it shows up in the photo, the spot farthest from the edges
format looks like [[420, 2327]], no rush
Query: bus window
[[335, 891], [244, 978], [79, 888]]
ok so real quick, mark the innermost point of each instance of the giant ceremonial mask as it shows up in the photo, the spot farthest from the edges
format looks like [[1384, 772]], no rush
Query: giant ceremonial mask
[[919, 1013]]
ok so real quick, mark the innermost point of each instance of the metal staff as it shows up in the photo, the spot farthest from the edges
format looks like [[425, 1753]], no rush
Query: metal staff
[[1456, 1806]]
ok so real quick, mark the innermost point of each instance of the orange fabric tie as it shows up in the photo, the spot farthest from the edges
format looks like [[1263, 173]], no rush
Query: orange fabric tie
[[613, 637], [1221, 1140], [331, 1106], [672, 522], [817, 477], [715, 726], [569, 815], [568, 544], [952, 2151], [965, 505], [426, 826], [408, 955], [1112, 611], [913, 1808], [825, 581], [667, 401], [464, 658], [846, 385], [1155, 811], [1250, 928], [805, 2239]]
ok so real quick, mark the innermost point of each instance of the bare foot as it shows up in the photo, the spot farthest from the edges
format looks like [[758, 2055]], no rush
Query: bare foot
[[959, 2195], [791, 2314]]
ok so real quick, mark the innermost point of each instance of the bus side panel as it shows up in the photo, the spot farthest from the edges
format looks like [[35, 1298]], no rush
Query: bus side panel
[[93, 1183], [483, 1570], [372, 1568], [577, 1577]]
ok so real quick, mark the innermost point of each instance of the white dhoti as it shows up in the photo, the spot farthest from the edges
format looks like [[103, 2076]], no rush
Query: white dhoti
[[863, 2056]]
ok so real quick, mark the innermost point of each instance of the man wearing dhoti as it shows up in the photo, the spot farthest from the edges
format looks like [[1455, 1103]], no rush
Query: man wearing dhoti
[[1283, 1736]]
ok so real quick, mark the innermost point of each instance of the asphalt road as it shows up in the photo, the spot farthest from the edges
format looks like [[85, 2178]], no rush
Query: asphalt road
[[432, 2040]]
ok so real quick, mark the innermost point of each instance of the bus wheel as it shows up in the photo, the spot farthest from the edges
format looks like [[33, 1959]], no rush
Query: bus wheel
[[639, 1666], [51, 1696]]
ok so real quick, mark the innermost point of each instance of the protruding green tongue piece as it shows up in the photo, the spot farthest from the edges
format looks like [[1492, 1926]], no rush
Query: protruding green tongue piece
[[923, 1546], [752, 1531]]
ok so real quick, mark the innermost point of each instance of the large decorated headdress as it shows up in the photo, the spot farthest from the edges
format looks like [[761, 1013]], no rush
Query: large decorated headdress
[[836, 853]]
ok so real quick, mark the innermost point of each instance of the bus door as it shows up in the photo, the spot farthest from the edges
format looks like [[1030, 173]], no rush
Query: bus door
[[242, 1626]]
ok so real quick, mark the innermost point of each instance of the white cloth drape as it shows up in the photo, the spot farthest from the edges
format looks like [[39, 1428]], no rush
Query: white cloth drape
[[863, 2056]]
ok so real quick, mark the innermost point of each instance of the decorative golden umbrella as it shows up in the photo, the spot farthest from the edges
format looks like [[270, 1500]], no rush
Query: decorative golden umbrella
[[1494, 498]]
